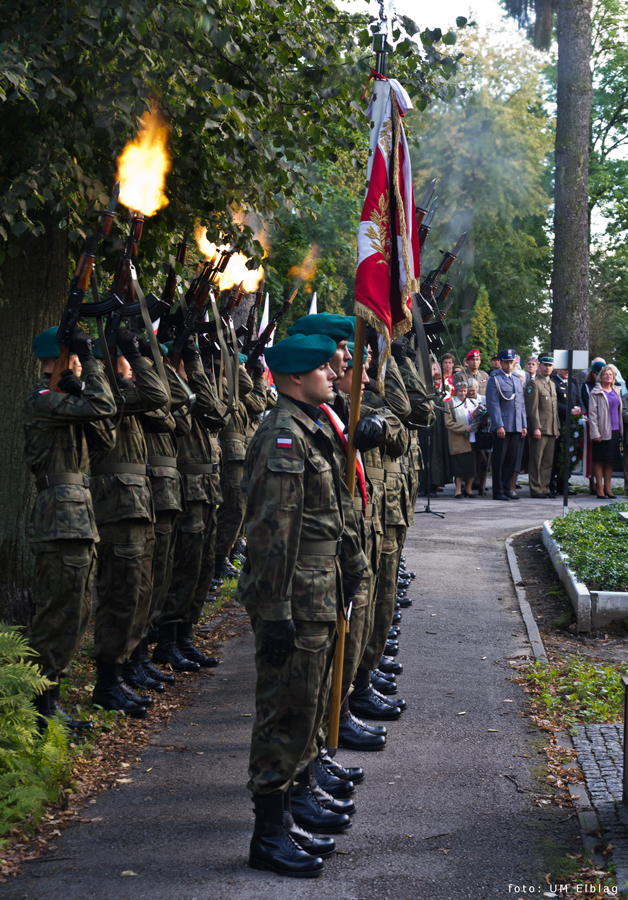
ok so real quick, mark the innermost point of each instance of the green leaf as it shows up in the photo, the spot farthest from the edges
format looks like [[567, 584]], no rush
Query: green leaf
[[450, 38]]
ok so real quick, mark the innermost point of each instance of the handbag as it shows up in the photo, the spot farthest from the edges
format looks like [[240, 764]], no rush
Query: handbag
[[484, 440]]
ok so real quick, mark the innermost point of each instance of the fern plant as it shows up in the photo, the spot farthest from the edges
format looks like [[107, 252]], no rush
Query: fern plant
[[34, 767]]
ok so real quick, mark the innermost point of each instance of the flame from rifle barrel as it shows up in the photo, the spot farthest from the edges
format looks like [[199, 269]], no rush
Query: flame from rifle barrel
[[144, 164], [306, 272], [236, 271]]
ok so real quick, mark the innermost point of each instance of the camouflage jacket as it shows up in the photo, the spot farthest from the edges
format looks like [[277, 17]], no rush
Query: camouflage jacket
[[293, 487], [198, 447], [56, 430], [128, 496], [422, 408], [396, 444], [160, 433], [256, 403], [397, 503], [233, 437]]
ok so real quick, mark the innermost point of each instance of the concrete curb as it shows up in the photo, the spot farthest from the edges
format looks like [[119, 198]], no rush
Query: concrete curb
[[534, 636]]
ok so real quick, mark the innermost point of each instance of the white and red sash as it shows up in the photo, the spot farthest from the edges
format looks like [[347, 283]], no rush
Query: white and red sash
[[339, 427]]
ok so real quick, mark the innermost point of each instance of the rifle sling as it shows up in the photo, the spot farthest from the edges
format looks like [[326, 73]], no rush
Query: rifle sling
[[236, 365], [111, 375], [154, 346], [224, 354]]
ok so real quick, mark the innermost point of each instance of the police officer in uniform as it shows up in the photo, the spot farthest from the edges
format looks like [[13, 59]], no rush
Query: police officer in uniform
[[62, 529], [543, 425], [506, 409]]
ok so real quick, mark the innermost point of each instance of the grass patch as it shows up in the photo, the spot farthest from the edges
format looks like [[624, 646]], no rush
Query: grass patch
[[596, 542], [577, 692]]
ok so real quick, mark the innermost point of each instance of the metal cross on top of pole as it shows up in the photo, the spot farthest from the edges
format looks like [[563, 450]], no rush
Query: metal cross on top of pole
[[379, 46]]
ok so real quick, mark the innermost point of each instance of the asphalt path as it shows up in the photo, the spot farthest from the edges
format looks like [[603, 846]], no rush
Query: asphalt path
[[437, 818]]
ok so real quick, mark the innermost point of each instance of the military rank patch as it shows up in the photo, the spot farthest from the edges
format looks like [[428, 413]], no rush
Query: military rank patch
[[529, 389], [45, 392], [284, 443]]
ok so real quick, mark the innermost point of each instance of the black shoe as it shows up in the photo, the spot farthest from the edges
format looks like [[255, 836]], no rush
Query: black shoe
[[401, 704], [335, 804], [388, 676], [552, 494], [512, 496], [500, 497], [383, 685], [538, 496], [393, 632], [323, 846], [271, 845], [331, 784], [365, 704], [134, 674], [391, 649], [404, 603], [139, 699], [168, 653], [389, 666], [352, 735], [225, 569], [309, 812], [149, 668], [69, 721], [217, 582], [108, 693], [355, 774], [240, 546], [397, 617], [187, 648]]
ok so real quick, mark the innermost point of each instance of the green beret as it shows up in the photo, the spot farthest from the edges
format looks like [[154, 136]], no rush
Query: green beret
[[98, 349], [351, 349], [164, 349], [338, 328], [167, 347], [546, 358], [300, 353], [46, 345], [243, 358]]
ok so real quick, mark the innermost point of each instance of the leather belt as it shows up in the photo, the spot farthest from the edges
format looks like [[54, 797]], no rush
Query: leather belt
[[198, 468], [45, 481], [320, 548], [121, 469], [168, 461], [232, 436], [375, 474], [358, 502]]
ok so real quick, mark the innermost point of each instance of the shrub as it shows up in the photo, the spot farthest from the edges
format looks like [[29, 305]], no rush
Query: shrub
[[596, 542]]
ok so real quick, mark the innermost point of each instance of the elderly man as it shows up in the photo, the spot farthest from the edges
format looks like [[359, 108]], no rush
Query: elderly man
[[472, 370], [532, 367], [506, 409]]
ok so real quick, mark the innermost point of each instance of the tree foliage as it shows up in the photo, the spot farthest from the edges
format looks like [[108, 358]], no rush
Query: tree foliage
[[483, 327], [255, 92], [489, 152]]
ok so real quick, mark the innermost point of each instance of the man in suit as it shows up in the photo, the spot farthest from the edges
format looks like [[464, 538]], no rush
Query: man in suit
[[560, 379], [506, 409], [542, 414]]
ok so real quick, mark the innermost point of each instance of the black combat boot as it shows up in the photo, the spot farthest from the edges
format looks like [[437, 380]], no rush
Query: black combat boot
[[396, 619], [43, 704], [225, 569], [309, 812], [135, 675], [187, 648], [140, 699], [168, 653], [70, 721], [271, 845], [354, 774], [389, 667], [335, 804], [365, 703], [108, 693], [149, 668], [391, 701], [323, 846], [352, 735], [391, 649], [404, 602], [382, 684], [331, 784]]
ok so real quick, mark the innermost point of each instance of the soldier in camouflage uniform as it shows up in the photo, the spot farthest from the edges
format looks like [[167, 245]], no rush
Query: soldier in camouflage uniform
[[161, 429], [291, 588], [196, 527], [62, 529], [233, 445], [123, 504], [422, 416]]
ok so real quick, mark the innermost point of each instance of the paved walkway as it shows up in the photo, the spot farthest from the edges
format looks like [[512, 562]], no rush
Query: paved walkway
[[437, 817]]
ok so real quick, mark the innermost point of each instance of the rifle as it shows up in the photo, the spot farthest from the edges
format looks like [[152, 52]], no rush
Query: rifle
[[74, 307], [424, 228], [449, 257], [195, 298], [170, 287], [250, 322], [422, 209], [123, 289], [266, 334]]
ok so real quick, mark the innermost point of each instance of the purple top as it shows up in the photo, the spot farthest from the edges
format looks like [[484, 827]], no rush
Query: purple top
[[613, 404]]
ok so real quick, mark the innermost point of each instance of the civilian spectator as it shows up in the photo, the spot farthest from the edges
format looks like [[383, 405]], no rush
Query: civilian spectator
[[461, 441], [589, 383], [605, 421], [447, 362]]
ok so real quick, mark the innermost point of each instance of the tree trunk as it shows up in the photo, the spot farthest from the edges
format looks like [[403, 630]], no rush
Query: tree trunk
[[570, 277], [35, 287]]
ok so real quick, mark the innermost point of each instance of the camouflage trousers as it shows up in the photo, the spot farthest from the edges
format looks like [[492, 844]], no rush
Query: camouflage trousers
[[64, 574], [165, 533], [194, 560], [385, 595], [232, 509], [125, 584], [289, 705]]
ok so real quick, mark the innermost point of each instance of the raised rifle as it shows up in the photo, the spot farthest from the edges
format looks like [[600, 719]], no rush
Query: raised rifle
[[266, 334], [449, 257], [123, 290], [424, 228], [195, 300], [250, 322], [74, 307], [421, 211], [170, 288]]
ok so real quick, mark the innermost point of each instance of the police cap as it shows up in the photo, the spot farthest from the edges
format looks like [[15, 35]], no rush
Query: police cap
[[507, 354], [300, 353]]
